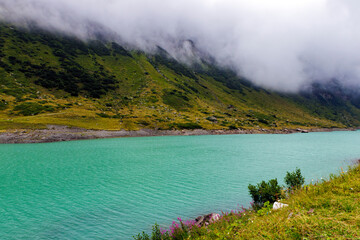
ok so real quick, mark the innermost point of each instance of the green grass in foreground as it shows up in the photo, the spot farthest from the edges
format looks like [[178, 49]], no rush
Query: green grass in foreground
[[325, 210]]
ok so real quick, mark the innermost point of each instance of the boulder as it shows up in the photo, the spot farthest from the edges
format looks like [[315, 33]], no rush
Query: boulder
[[302, 130], [214, 217], [199, 220], [212, 119], [205, 220], [278, 205]]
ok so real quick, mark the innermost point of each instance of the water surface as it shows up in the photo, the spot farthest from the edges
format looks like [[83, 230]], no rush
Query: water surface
[[115, 188]]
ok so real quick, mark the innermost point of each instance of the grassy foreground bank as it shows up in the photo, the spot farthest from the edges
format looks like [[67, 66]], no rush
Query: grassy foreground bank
[[329, 209]]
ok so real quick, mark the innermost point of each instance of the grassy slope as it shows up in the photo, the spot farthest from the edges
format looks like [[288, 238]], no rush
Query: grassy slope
[[113, 89], [326, 210]]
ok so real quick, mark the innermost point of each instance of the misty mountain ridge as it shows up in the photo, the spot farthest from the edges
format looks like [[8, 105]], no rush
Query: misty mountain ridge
[[184, 51], [277, 46], [52, 78]]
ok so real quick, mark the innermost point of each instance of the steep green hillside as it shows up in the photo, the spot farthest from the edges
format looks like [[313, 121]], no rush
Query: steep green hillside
[[54, 79]]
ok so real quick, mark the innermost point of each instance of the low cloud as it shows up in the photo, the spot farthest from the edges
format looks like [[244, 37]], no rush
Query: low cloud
[[278, 44]]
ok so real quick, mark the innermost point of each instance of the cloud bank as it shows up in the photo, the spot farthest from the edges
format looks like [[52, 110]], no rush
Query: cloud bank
[[278, 44]]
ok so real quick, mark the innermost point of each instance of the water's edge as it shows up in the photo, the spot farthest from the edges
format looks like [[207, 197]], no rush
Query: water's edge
[[56, 133]]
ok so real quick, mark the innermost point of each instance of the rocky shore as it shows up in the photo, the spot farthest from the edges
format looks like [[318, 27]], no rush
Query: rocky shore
[[63, 133]]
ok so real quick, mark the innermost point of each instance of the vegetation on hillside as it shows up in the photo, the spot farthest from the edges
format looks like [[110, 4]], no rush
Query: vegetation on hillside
[[326, 209], [265, 192], [48, 78]]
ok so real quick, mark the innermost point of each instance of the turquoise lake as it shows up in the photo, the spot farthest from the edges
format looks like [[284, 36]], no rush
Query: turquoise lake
[[116, 188]]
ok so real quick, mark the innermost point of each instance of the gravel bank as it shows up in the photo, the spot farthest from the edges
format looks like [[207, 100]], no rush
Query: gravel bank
[[63, 133]]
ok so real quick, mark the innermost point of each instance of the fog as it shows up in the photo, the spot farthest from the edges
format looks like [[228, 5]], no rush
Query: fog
[[279, 44]]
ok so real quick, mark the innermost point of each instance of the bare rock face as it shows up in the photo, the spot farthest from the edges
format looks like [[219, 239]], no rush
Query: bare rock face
[[205, 220]]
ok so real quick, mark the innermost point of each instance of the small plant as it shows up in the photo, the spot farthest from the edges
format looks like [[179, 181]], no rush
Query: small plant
[[294, 179], [179, 231], [157, 234], [266, 209], [265, 192], [143, 236]]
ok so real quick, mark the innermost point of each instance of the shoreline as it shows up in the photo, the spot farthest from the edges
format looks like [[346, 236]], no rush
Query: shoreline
[[55, 133], [239, 220]]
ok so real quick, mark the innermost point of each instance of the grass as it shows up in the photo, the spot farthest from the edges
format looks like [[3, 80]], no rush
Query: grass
[[146, 93], [329, 209]]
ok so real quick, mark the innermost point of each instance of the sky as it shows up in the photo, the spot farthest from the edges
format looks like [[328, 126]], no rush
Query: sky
[[279, 44]]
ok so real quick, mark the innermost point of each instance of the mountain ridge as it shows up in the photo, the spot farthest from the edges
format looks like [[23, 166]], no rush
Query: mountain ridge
[[48, 78]]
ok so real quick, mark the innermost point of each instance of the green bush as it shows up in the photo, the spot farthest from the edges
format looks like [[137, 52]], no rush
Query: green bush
[[232, 127], [103, 115], [33, 108], [265, 192], [294, 179], [3, 104], [176, 99]]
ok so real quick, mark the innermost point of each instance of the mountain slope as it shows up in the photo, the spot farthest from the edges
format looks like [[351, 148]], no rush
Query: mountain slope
[[48, 78]]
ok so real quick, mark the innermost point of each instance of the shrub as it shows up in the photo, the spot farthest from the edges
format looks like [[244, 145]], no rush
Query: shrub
[[176, 99], [265, 191], [33, 108], [294, 179], [103, 115], [143, 236], [3, 104], [232, 127]]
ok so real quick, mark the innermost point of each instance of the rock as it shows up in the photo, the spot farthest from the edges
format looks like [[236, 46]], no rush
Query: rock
[[199, 220], [205, 220], [214, 217], [212, 119], [302, 130], [311, 211], [278, 205]]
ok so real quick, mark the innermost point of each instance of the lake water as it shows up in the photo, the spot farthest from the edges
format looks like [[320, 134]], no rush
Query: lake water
[[116, 188]]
